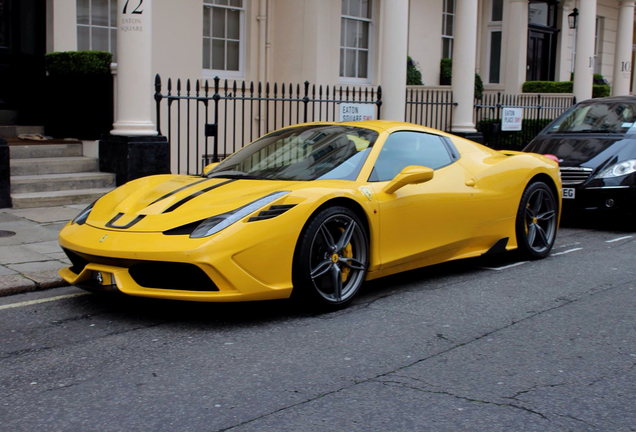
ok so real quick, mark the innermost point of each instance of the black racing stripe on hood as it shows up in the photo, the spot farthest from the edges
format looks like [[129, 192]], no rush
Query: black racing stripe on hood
[[111, 223], [194, 195], [178, 190]]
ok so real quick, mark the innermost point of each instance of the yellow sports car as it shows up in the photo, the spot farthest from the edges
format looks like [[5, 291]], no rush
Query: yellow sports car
[[312, 211]]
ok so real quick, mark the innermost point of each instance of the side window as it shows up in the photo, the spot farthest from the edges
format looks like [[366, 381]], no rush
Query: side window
[[402, 149]]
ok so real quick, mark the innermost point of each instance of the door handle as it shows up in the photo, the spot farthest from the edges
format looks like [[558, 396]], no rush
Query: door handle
[[470, 183]]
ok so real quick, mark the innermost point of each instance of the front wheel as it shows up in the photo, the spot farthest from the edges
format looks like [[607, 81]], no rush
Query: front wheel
[[537, 219], [331, 258]]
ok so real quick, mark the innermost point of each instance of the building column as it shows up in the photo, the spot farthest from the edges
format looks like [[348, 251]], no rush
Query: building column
[[134, 69], [517, 51], [394, 40], [464, 51], [584, 62], [134, 148], [623, 56]]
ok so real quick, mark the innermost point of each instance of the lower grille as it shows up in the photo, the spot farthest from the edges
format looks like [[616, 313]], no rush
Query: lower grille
[[151, 274], [571, 176], [174, 276]]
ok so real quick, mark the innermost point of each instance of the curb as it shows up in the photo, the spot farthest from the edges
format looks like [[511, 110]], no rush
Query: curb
[[20, 284]]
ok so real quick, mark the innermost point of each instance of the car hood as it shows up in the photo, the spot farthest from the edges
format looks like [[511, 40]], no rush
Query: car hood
[[583, 149], [160, 203]]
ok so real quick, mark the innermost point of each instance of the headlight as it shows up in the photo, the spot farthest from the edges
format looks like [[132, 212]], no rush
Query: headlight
[[81, 218], [217, 223], [619, 169]]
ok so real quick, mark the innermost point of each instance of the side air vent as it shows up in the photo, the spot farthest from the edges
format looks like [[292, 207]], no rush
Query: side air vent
[[272, 212]]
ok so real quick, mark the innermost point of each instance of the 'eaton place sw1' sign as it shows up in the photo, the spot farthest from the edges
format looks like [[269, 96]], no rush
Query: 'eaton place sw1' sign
[[356, 112], [511, 119]]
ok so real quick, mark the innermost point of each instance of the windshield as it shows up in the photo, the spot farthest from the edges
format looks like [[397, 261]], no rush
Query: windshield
[[311, 152], [601, 117]]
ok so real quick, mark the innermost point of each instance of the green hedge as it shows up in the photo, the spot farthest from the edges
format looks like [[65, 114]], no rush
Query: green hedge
[[78, 63], [547, 87], [413, 74], [600, 88]]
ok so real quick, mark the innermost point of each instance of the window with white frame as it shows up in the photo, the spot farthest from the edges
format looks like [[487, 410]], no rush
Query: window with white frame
[[355, 39], [223, 35], [448, 28], [494, 28], [97, 26]]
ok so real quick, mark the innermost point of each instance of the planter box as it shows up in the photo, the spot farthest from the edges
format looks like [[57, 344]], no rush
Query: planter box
[[79, 106]]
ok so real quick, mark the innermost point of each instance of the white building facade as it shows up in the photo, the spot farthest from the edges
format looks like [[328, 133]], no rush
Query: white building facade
[[352, 42]]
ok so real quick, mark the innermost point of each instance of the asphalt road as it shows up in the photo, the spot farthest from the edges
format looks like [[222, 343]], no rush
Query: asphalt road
[[473, 345]]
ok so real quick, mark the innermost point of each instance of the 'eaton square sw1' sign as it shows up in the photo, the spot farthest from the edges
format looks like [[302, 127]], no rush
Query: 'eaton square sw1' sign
[[356, 112]]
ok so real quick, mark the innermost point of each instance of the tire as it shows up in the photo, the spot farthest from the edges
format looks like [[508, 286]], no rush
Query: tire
[[537, 220], [331, 259]]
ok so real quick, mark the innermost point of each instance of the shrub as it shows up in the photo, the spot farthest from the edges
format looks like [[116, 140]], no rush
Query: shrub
[[446, 69], [600, 90], [413, 74], [547, 87], [78, 63], [446, 74], [479, 87]]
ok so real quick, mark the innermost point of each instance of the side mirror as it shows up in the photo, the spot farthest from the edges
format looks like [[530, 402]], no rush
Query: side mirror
[[209, 168], [412, 174]]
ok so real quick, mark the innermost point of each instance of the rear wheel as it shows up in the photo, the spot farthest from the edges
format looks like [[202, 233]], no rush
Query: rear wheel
[[331, 258], [536, 223]]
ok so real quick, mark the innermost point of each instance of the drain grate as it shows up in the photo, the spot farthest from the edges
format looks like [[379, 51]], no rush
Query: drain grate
[[6, 233]]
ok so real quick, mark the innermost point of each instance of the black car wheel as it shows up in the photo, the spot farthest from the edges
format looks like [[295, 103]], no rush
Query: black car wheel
[[331, 258], [537, 219]]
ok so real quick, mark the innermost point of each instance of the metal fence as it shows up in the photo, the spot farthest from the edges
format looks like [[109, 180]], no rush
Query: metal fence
[[430, 107], [538, 111], [207, 123]]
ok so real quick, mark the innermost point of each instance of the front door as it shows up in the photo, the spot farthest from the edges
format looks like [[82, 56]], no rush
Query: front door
[[22, 48]]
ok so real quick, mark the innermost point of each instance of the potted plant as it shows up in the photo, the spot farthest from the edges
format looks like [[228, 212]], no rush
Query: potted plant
[[79, 87]]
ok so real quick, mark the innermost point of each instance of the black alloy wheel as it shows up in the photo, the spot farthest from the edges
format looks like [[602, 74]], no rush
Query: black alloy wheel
[[537, 220], [331, 258]]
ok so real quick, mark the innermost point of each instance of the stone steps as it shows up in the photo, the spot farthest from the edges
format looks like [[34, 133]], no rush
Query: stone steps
[[52, 165], [47, 175], [45, 151], [57, 182], [56, 198]]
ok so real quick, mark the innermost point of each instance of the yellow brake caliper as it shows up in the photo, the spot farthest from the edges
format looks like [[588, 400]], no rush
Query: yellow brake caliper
[[347, 252]]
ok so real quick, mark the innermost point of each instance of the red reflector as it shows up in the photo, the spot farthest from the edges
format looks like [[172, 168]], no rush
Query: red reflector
[[553, 157]]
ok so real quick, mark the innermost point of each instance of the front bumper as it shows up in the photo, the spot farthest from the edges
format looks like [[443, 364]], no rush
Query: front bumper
[[242, 263], [604, 199]]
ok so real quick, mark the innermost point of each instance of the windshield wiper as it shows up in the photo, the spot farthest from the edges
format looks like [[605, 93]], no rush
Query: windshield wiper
[[235, 175]]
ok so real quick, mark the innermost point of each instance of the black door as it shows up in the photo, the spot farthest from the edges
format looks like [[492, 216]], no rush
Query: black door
[[22, 48]]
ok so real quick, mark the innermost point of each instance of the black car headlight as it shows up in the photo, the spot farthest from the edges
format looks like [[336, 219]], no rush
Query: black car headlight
[[217, 223], [81, 218], [619, 169]]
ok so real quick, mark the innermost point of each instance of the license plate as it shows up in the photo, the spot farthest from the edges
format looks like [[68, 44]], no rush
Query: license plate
[[568, 193]]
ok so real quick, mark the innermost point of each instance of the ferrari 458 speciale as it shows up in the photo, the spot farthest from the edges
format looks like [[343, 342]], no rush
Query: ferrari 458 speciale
[[312, 211]]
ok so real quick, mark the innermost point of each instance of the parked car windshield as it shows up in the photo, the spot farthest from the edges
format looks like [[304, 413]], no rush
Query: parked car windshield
[[308, 152], [601, 117]]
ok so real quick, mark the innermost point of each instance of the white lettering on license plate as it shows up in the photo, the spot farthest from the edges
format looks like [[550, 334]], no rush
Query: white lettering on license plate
[[568, 193]]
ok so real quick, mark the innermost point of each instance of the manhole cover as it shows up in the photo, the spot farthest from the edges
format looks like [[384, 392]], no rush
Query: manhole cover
[[6, 233]]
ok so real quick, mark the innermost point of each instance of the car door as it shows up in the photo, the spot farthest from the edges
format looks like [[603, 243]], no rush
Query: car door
[[419, 221]]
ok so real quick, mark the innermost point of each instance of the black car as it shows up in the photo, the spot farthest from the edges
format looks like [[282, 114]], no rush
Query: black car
[[595, 143]]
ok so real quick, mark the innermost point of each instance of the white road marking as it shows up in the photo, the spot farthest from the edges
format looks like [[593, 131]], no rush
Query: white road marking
[[44, 300], [618, 239], [504, 267], [567, 251]]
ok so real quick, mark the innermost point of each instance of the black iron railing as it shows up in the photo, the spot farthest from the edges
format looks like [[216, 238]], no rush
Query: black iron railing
[[207, 123], [430, 107], [538, 111]]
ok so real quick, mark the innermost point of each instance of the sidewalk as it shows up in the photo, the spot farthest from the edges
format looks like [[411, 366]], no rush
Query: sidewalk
[[30, 255]]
